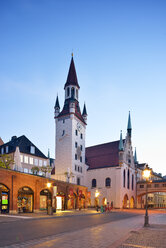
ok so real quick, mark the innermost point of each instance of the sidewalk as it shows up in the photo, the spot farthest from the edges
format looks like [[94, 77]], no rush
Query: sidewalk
[[153, 236], [43, 214]]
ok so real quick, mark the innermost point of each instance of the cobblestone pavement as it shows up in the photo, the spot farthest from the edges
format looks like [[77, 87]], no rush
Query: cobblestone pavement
[[153, 236]]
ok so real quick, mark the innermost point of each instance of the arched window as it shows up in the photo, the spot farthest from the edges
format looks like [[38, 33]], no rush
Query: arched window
[[72, 92], [124, 178], [68, 91], [94, 183], [108, 182], [76, 93], [132, 184], [128, 179]]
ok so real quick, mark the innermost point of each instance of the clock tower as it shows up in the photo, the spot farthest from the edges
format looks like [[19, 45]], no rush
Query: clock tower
[[70, 133]]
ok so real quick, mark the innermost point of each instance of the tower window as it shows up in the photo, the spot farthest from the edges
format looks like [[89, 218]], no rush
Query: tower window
[[75, 144], [76, 132], [81, 136], [75, 156], [81, 169], [72, 92], [80, 159], [75, 167], [81, 147], [76, 93], [68, 91], [63, 133]]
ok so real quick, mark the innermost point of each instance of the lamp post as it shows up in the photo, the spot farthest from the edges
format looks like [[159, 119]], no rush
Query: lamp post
[[146, 175], [96, 195]]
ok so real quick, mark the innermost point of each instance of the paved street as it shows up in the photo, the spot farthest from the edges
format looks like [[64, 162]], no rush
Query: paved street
[[99, 230]]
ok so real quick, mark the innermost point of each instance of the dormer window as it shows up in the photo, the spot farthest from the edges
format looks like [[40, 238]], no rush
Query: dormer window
[[32, 150], [7, 149], [2, 150]]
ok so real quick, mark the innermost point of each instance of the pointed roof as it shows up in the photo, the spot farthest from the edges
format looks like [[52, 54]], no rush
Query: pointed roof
[[121, 147], [129, 123], [72, 76], [135, 157], [84, 110], [57, 103]]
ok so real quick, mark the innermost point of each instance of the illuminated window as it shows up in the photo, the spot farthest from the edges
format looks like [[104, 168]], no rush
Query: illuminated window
[[36, 161], [31, 160], [21, 157], [40, 163], [26, 159]]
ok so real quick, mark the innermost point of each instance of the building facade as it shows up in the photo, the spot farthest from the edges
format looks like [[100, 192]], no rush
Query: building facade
[[25, 155]]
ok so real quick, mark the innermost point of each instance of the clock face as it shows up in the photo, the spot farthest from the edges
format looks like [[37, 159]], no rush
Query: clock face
[[79, 126]]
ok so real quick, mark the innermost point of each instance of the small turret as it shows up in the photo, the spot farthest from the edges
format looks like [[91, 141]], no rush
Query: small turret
[[57, 107], [129, 128], [121, 146], [84, 113]]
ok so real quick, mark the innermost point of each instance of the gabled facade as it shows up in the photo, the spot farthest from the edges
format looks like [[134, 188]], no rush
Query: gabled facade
[[111, 175], [25, 154], [70, 133]]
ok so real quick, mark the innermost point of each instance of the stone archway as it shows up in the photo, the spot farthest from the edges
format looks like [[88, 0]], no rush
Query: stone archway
[[25, 202], [132, 202], [126, 201], [45, 199]]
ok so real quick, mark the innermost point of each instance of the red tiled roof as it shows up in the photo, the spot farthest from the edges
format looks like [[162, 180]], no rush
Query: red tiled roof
[[103, 156]]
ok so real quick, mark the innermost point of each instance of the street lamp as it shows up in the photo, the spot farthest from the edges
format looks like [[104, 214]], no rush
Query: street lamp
[[96, 195], [146, 175]]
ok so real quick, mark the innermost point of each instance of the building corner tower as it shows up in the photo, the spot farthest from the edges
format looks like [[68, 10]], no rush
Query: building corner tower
[[70, 134]]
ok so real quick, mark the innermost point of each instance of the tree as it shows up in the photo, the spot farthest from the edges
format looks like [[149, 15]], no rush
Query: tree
[[46, 169], [68, 175], [6, 161], [35, 170]]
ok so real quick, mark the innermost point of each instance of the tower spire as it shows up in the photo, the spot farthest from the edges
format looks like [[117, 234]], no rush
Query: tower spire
[[129, 128], [72, 76], [84, 113], [121, 147], [57, 103]]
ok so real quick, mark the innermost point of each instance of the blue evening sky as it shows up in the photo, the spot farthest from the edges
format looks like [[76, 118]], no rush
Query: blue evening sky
[[120, 57]]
